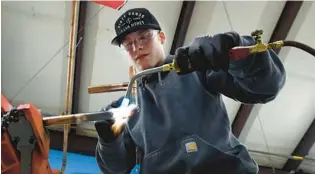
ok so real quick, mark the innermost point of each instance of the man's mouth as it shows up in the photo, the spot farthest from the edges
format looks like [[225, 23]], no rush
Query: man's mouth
[[141, 56]]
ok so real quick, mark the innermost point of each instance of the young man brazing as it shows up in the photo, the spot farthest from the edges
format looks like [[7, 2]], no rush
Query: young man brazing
[[182, 125]]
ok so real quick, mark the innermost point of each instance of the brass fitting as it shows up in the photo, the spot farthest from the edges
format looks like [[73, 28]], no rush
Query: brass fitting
[[276, 44], [260, 46], [171, 66], [257, 35]]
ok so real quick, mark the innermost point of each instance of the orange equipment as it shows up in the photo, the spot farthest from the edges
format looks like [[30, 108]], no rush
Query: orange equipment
[[25, 140], [22, 129]]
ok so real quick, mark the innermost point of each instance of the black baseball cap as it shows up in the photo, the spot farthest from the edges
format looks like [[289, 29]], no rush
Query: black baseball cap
[[133, 20]]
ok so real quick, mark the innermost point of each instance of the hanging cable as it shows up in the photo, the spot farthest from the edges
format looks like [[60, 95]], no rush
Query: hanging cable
[[227, 15]]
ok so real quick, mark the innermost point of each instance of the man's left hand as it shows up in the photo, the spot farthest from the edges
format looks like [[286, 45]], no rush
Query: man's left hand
[[206, 53]]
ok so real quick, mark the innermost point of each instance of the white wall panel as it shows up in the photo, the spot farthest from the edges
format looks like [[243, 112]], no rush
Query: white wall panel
[[32, 33], [286, 119]]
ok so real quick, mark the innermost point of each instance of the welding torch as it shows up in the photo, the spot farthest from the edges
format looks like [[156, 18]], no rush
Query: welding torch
[[242, 52], [236, 53], [118, 115]]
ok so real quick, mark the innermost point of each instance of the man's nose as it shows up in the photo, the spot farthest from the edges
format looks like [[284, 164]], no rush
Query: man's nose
[[136, 46], [133, 47]]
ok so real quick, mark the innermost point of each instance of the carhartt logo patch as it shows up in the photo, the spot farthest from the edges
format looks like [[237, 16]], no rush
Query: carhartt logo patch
[[191, 147]]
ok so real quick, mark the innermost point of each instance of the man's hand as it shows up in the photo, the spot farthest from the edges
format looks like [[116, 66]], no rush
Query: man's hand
[[206, 53], [103, 128]]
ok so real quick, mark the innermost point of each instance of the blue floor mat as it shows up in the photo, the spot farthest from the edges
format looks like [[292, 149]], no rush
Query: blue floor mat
[[76, 163]]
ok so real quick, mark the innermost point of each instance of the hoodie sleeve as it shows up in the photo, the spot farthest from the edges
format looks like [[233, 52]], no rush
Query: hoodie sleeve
[[117, 157], [255, 79]]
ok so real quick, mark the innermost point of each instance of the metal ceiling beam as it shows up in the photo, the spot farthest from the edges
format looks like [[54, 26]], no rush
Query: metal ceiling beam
[[302, 149], [241, 118], [286, 20], [280, 32], [247, 124], [182, 25]]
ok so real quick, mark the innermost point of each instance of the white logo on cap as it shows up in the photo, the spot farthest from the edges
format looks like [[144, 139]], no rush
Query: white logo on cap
[[132, 19]]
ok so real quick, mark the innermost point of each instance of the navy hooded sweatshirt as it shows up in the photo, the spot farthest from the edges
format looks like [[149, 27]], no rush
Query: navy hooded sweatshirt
[[182, 125]]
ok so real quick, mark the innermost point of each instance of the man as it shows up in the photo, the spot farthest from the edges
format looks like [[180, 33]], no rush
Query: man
[[182, 124]]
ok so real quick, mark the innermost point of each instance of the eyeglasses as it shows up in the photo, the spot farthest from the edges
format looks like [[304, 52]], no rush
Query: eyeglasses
[[143, 39]]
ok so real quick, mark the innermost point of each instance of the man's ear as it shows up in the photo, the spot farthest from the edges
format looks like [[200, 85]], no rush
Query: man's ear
[[162, 37]]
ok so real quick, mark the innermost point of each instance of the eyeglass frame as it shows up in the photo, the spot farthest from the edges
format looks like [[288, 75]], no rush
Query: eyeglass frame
[[142, 40]]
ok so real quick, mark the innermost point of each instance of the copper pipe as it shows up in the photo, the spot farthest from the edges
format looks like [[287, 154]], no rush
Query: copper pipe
[[132, 72], [106, 88], [117, 115], [76, 118], [135, 77], [70, 78], [115, 90]]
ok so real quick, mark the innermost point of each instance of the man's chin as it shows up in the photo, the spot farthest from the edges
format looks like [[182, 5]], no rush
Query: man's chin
[[144, 67]]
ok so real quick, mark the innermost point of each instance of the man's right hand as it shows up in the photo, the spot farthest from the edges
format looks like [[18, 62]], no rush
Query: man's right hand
[[103, 127], [207, 53]]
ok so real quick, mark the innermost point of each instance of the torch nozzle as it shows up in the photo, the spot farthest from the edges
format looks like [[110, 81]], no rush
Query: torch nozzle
[[121, 115]]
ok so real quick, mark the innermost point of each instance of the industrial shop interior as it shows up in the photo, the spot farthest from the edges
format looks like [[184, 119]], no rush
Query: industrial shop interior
[[157, 87]]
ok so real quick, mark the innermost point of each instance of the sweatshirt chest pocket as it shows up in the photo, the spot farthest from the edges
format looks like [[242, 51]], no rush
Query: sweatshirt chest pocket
[[191, 155], [174, 88]]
